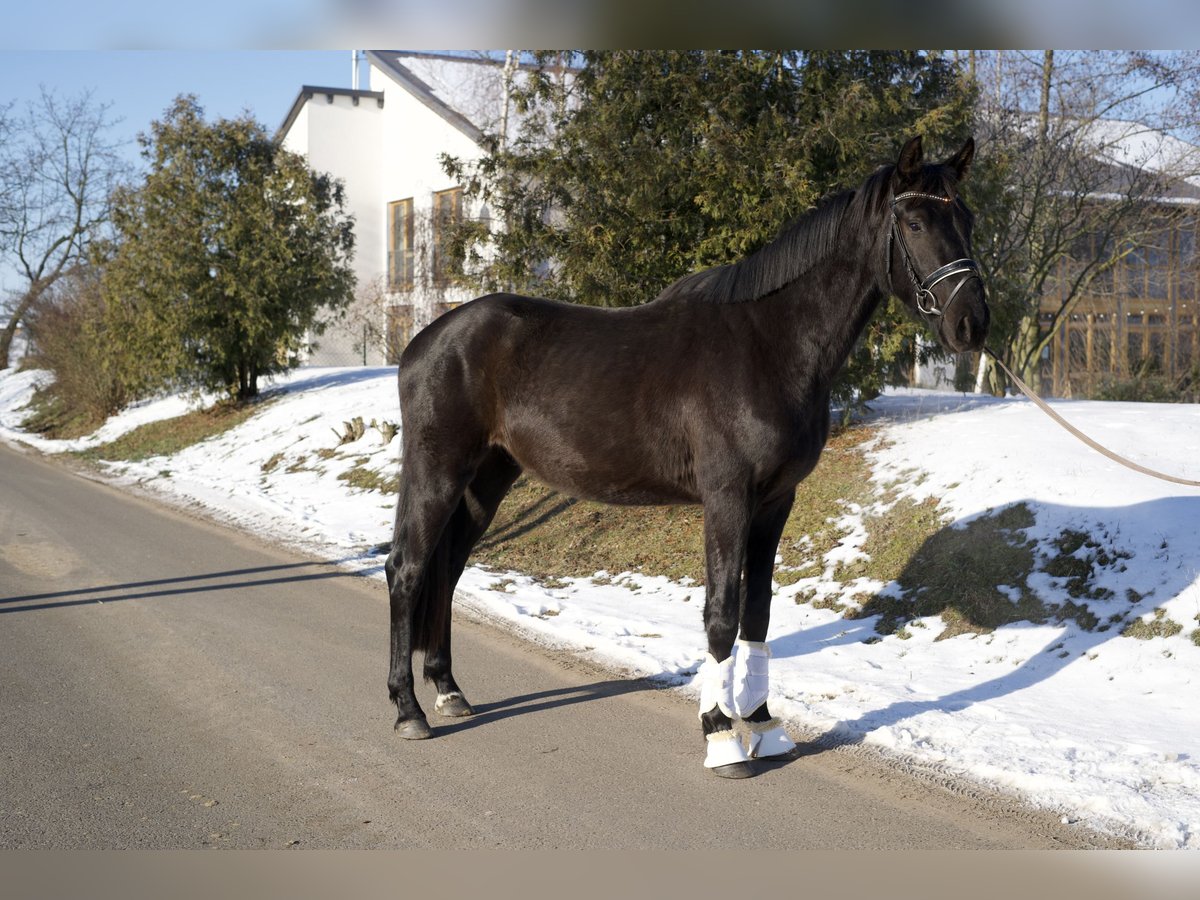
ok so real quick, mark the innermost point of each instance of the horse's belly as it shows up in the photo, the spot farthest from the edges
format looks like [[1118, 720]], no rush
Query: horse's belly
[[605, 467], [621, 488]]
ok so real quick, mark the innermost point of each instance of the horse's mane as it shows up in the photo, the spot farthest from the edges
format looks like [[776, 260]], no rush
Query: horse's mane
[[800, 246]]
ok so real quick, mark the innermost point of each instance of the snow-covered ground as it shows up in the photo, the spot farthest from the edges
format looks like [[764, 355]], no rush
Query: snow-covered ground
[[1103, 726]]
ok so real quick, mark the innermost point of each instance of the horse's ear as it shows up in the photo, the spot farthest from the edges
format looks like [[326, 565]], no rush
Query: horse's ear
[[910, 158], [961, 161]]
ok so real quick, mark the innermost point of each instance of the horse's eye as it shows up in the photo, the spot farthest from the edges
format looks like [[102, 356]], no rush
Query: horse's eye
[[914, 226]]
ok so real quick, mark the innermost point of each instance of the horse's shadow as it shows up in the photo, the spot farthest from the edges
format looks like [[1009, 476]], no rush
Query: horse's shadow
[[1111, 590], [539, 701]]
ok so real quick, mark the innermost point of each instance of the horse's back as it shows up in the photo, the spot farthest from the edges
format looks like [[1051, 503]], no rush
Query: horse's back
[[508, 336]]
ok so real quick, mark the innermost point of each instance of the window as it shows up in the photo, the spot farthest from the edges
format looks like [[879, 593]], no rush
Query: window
[[399, 331], [447, 212], [400, 245]]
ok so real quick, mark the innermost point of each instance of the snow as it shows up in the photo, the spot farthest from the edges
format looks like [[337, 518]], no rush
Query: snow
[[1101, 727]]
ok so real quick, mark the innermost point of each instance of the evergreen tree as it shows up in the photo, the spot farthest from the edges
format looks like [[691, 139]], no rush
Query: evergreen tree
[[224, 255]]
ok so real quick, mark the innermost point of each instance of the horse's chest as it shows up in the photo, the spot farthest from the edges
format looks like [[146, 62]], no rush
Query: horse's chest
[[795, 454]]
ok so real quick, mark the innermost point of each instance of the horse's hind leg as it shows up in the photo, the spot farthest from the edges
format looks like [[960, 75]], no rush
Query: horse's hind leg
[[751, 670], [471, 519], [416, 569]]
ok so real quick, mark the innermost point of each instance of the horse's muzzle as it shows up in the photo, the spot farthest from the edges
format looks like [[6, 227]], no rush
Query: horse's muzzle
[[965, 322]]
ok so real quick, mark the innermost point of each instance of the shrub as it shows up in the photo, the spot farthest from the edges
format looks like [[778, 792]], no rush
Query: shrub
[[1151, 386], [66, 327]]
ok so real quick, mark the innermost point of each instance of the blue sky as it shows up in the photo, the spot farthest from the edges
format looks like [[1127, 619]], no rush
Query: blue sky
[[140, 85]]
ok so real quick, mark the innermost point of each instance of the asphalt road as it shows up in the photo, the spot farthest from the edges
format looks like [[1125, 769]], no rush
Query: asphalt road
[[166, 682]]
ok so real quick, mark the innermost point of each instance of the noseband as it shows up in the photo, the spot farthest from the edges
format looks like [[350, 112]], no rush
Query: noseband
[[924, 286]]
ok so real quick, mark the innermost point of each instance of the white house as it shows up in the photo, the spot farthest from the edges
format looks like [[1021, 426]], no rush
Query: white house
[[385, 141]]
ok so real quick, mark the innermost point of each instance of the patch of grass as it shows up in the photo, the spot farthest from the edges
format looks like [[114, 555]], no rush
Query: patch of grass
[[1158, 626], [789, 575], [169, 436], [298, 465], [548, 535], [1078, 558], [54, 418], [841, 478], [271, 464], [1080, 613], [893, 536], [951, 572], [365, 479]]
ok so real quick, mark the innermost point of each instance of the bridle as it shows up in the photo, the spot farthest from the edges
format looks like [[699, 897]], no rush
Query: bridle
[[924, 286]]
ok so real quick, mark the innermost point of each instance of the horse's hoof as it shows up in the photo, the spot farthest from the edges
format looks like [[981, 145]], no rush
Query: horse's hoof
[[453, 706], [414, 729], [734, 770], [768, 740]]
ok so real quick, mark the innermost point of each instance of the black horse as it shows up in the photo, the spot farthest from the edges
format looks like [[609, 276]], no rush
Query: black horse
[[716, 392]]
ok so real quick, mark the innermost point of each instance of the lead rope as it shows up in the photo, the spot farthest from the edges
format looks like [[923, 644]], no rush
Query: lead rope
[[1115, 457]]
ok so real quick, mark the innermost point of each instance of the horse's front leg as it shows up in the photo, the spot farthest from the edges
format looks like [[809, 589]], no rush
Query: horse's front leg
[[751, 674], [726, 526]]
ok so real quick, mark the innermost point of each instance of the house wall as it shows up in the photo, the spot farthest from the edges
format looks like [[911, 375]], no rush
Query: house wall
[[382, 154], [345, 139], [416, 136]]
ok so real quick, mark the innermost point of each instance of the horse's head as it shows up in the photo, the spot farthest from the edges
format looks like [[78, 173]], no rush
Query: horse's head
[[929, 248]]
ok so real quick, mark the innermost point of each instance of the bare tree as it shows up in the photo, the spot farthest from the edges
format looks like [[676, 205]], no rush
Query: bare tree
[[1079, 155], [58, 167], [364, 320]]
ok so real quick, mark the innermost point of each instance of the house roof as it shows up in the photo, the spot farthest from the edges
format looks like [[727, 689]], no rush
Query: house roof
[[1138, 146], [447, 103], [467, 90], [1130, 156], [308, 91]]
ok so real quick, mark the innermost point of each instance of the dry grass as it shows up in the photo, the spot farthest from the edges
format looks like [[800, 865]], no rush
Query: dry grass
[[169, 436]]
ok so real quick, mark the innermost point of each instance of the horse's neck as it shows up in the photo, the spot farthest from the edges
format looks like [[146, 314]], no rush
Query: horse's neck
[[822, 314]]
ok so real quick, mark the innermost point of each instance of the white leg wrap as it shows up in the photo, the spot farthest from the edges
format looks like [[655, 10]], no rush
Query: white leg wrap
[[769, 739], [724, 748], [716, 685], [751, 676]]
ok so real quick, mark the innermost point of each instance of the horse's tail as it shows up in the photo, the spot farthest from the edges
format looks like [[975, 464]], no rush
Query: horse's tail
[[431, 613]]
